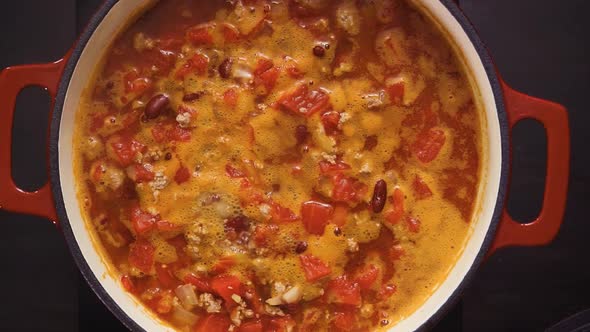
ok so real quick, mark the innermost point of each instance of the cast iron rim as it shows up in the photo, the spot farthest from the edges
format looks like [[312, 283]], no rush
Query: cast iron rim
[[108, 301]]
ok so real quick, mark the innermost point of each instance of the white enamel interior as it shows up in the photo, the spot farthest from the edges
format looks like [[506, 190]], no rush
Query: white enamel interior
[[98, 44]]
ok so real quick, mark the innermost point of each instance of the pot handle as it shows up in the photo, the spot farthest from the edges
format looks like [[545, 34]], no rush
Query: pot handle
[[12, 81], [555, 120]]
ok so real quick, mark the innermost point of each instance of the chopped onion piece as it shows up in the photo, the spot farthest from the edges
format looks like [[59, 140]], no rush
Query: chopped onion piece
[[183, 316], [293, 294], [186, 295]]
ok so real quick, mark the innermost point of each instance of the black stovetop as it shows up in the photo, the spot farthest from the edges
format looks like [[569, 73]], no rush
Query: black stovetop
[[541, 48]]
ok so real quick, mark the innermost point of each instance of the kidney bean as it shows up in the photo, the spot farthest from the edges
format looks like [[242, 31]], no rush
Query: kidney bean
[[319, 51], [225, 68], [301, 247], [379, 196], [156, 106], [301, 133], [192, 96]]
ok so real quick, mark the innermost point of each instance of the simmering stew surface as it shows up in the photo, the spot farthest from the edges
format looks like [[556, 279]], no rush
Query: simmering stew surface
[[303, 165]]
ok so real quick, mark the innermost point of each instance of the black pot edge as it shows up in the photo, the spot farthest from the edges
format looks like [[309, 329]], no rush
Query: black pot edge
[[108, 301]]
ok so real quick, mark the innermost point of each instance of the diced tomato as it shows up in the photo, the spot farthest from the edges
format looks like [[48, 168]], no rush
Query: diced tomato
[[344, 291], [127, 283], [315, 216], [198, 63], [138, 86], [280, 213], [213, 323], [421, 188], [225, 286], [340, 214], [253, 326], [201, 34], [264, 232], [165, 226], [428, 145], [231, 34], [265, 75], [141, 221], [396, 252], [201, 284], [397, 200], [254, 300], [280, 324], [234, 172], [160, 133], [179, 134], [327, 167], [165, 277], [313, 267], [294, 71], [347, 189], [141, 174], [141, 255], [224, 264], [262, 66], [344, 320], [304, 102], [230, 97], [182, 175], [386, 291], [125, 149], [330, 121], [134, 83], [396, 92], [413, 224], [367, 276]]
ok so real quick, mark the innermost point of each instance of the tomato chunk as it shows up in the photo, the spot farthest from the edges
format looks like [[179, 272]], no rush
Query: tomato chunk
[[421, 189], [304, 101], [127, 283], [231, 34], [413, 224], [253, 326], [344, 320], [201, 34], [213, 323], [197, 64], [201, 284], [281, 214], [182, 175], [397, 200], [125, 149], [141, 221], [344, 291], [327, 167], [330, 121], [428, 145], [141, 255], [165, 276], [140, 174], [347, 189], [225, 286], [265, 76], [367, 276], [396, 92], [313, 267], [315, 216], [265, 232], [230, 97], [234, 172]]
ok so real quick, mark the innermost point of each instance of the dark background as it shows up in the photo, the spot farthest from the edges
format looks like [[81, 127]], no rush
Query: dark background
[[541, 47]]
